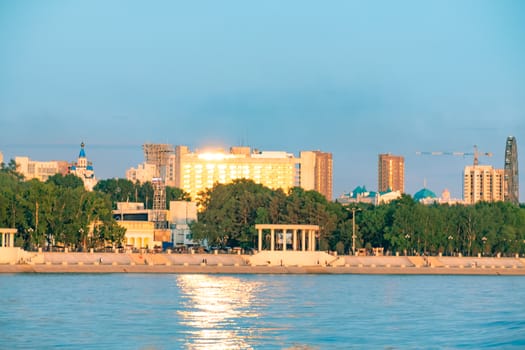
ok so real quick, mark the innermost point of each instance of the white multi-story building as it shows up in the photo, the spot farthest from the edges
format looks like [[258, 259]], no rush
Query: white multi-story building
[[33, 169], [482, 183], [197, 171], [145, 172], [142, 173]]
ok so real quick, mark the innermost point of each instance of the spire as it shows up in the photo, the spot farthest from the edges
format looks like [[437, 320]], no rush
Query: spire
[[82, 152]]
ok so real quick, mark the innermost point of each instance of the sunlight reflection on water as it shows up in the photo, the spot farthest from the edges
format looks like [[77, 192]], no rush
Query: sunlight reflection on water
[[216, 309]]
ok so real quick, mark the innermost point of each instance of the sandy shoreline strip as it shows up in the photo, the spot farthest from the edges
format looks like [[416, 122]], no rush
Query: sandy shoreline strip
[[210, 269]]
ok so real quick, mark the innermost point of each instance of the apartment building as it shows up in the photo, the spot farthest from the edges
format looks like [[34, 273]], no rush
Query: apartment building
[[483, 183], [391, 173]]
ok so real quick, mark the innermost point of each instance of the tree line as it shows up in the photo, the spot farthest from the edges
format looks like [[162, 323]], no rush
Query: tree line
[[230, 212], [60, 212]]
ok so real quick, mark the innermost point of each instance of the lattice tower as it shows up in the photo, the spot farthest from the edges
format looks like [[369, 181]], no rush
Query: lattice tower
[[511, 171], [158, 154], [159, 203]]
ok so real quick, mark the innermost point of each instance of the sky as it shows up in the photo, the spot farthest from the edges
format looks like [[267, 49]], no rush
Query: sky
[[354, 78]]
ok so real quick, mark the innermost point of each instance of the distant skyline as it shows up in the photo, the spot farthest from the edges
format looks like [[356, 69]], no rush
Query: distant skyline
[[352, 78]]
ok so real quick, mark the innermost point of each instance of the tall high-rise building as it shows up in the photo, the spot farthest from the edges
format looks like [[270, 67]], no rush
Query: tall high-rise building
[[316, 172], [511, 189], [391, 173], [1, 158], [482, 183]]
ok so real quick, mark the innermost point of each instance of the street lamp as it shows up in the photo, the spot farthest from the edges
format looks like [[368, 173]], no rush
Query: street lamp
[[81, 231], [354, 209], [30, 231], [407, 237], [450, 238], [484, 239]]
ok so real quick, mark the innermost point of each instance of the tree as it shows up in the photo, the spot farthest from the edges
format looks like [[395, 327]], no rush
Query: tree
[[176, 194], [230, 213], [67, 181]]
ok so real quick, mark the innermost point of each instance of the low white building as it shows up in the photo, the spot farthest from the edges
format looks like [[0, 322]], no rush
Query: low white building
[[139, 224], [181, 214], [361, 195]]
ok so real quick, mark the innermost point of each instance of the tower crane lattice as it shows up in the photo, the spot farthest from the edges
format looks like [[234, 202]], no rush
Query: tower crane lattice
[[476, 154]]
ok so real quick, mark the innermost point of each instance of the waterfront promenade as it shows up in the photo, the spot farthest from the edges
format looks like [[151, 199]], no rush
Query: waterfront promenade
[[249, 264]]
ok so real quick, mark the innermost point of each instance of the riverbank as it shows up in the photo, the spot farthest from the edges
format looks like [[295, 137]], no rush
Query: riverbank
[[208, 269], [247, 264]]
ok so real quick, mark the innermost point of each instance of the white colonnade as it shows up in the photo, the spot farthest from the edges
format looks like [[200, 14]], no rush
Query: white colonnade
[[308, 236]]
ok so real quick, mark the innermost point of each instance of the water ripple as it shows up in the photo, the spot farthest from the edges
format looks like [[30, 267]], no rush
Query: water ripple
[[261, 312]]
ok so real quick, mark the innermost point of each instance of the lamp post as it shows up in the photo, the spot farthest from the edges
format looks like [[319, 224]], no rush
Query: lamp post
[[407, 237], [450, 238], [30, 231], [81, 231], [354, 209], [484, 239]]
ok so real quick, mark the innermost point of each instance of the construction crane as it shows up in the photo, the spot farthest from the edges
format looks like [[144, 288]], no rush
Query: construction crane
[[476, 154]]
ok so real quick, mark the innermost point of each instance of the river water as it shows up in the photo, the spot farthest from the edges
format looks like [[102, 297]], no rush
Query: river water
[[169, 311]]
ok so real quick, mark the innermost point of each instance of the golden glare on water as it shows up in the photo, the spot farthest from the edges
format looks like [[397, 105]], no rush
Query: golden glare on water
[[215, 309]]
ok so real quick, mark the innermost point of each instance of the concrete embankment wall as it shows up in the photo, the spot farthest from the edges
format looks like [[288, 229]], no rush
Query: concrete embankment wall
[[295, 258], [15, 260], [15, 255]]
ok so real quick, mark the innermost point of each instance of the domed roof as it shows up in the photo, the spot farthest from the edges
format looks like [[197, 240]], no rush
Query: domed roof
[[358, 191], [423, 194], [82, 153]]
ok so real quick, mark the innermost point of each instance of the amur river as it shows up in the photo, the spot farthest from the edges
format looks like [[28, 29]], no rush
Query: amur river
[[166, 311]]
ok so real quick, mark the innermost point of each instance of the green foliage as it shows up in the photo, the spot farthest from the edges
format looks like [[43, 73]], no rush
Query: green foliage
[[230, 212], [61, 212], [58, 212], [123, 190], [66, 181]]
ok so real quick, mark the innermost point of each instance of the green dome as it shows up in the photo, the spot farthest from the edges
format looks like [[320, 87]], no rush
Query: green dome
[[358, 191], [423, 194]]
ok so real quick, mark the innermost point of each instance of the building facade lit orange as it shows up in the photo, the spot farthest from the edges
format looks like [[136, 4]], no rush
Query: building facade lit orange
[[391, 173]]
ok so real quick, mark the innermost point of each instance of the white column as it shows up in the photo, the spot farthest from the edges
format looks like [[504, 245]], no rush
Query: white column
[[2, 234], [284, 240], [312, 240], [12, 240], [303, 240], [294, 239], [259, 231], [272, 242]]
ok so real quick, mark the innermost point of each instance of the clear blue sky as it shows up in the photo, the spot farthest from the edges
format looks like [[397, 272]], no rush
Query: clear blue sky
[[355, 78]]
